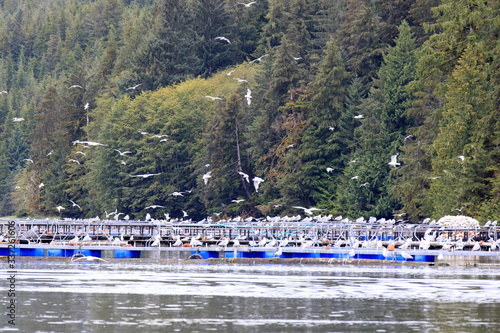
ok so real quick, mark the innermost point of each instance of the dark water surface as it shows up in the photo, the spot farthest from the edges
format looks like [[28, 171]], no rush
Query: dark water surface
[[119, 296]]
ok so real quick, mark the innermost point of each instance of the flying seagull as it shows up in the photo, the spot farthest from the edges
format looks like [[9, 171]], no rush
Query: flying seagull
[[259, 59], [207, 176], [134, 87], [224, 39], [248, 96], [125, 152], [154, 207], [17, 119], [462, 157], [75, 86], [329, 169], [81, 152], [393, 161], [176, 194], [75, 204], [146, 175], [238, 201], [89, 143], [72, 160], [247, 4], [256, 183], [359, 116], [28, 159], [86, 107], [59, 208], [244, 175], [214, 98], [308, 211], [3, 92], [240, 80]]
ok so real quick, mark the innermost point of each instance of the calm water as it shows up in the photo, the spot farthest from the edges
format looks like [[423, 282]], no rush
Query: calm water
[[118, 296]]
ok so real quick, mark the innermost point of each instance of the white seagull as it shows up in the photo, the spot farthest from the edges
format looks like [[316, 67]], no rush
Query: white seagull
[[75, 86], [146, 175], [393, 161], [17, 119], [329, 169], [247, 4], [73, 160], [259, 59], [240, 80], [214, 98], [89, 143], [224, 39], [359, 116], [3, 92], [28, 160], [59, 208], [256, 183], [308, 211], [207, 176], [134, 87], [248, 96], [154, 207], [75, 204], [125, 152], [86, 107], [462, 157], [244, 175], [238, 201]]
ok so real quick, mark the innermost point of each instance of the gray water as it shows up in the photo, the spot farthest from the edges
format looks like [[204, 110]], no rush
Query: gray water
[[138, 296]]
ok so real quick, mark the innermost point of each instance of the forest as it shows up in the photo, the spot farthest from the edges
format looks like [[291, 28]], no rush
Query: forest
[[223, 108]]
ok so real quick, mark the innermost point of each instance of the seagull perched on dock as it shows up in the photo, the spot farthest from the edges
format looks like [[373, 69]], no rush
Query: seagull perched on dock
[[406, 255]]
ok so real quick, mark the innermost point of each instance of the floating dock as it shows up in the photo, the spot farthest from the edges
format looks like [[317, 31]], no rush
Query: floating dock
[[331, 240]]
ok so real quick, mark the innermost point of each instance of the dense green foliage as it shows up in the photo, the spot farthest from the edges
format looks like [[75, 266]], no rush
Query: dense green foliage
[[312, 96]]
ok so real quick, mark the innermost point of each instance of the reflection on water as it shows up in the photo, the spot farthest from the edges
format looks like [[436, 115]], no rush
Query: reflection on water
[[120, 296]]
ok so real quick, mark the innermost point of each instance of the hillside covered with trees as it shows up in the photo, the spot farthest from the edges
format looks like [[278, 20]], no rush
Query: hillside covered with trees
[[118, 105]]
